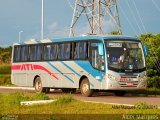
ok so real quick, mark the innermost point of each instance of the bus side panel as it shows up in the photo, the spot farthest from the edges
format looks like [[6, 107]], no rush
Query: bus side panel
[[64, 74]]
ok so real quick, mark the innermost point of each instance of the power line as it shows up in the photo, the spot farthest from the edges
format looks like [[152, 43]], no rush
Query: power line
[[156, 62], [133, 16], [139, 16], [155, 4], [128, 20]]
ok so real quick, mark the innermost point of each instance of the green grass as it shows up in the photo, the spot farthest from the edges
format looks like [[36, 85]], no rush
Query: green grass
[[65, 105]]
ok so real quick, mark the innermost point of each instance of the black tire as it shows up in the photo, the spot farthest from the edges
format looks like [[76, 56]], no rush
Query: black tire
[[38, 86], [120, 93], [85, 88]]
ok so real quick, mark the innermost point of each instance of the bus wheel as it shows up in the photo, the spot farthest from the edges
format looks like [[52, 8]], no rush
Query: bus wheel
[[38, 86], [85, 88], [120, 93]]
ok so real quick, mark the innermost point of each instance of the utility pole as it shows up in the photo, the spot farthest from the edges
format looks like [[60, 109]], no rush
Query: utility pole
[[96, 12], [20, 36], [42, 21]]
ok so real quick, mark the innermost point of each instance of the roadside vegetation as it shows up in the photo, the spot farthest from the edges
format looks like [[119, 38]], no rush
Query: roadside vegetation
[[5, 75], [65, 105]]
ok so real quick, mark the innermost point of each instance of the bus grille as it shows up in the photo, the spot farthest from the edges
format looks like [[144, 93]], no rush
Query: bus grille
[[128, 83]]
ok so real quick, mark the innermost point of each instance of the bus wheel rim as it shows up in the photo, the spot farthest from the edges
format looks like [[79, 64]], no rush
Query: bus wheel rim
[[85, 88], [38, 85]]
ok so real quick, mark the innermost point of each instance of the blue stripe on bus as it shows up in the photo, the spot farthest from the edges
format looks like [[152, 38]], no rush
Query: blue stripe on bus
[[74, 71], [70, 68], [86, 66], [60, 72]]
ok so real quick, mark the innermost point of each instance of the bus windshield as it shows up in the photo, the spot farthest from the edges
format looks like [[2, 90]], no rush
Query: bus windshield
[[125, 56]]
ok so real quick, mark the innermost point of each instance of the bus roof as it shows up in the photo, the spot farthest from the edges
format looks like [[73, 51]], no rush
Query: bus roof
[[81, 38]]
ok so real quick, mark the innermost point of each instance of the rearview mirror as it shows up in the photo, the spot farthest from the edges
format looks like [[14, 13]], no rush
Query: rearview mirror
[[100, 49], [145, 49]]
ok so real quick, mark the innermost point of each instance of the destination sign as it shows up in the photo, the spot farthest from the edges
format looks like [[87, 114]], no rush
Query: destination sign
[[114, 44]]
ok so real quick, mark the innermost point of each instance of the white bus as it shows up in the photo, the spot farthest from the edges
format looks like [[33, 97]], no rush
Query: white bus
[[88, 63]]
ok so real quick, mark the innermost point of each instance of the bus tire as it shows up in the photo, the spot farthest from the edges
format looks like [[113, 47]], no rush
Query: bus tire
[[85, 88], [38, 86]]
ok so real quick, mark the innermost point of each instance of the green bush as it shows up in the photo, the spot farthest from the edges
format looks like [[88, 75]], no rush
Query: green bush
[[5, 69], [65, 99], [5, 79], [153, 82]]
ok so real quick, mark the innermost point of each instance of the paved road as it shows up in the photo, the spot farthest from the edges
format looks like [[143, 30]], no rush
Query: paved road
[[98, 97]]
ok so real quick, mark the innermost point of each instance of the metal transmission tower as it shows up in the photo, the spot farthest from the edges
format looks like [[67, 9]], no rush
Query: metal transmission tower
[[96, 12]]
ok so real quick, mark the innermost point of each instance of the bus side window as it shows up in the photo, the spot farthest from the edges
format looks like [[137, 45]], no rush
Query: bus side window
[[39, 52], [60, 51], [24, 53], [32, 54], [53, 53], [76, 51], [47, 49], [66, 53], [97, 60], [80, 50], [17, 54]]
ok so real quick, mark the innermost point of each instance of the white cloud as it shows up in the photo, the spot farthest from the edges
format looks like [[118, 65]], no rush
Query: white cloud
[[56, 30], [53, 26]]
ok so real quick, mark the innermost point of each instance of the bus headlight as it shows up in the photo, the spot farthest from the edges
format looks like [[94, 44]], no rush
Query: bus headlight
[[111, 77], [144, 78]]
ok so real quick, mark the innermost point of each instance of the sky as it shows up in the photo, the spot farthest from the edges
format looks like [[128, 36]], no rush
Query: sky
[[25, 15]]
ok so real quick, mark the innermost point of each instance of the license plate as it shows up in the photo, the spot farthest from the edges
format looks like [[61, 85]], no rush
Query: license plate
[[130, 84]]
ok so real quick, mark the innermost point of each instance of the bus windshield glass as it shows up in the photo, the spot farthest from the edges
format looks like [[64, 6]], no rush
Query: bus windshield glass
[[125, 55]]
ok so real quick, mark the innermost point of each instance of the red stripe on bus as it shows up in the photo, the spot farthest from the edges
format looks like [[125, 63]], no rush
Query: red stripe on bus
[[35, 67], [16, 67], [39, 67]]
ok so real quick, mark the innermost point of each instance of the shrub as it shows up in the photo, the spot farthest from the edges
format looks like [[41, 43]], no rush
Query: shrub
[[5, 69], [153, 82], [5, 80], [65, 99]]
